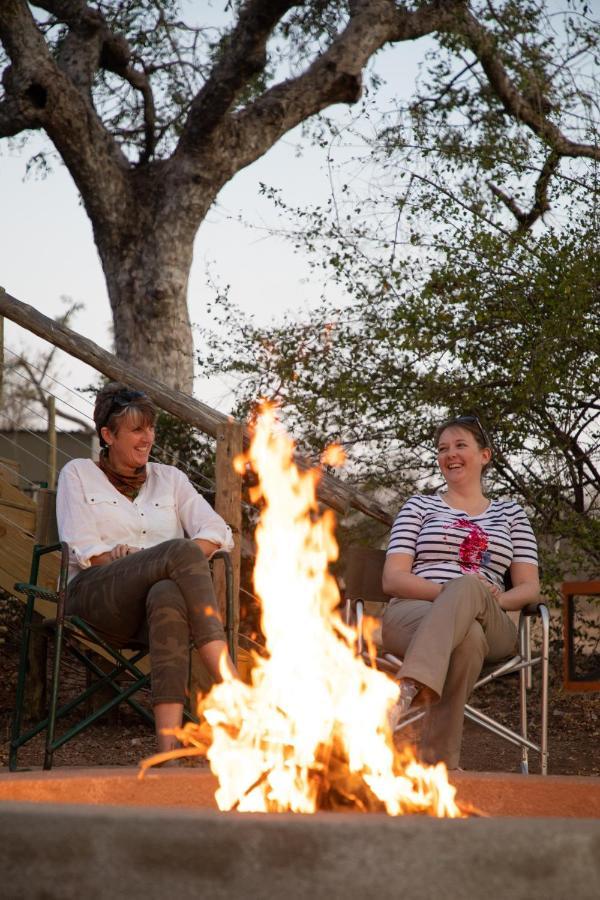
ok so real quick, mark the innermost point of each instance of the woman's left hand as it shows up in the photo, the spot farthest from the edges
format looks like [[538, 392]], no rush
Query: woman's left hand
[[495, 591], [207, 547]]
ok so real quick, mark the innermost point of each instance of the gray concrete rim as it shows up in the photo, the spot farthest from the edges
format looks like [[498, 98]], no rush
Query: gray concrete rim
[[67, 852]]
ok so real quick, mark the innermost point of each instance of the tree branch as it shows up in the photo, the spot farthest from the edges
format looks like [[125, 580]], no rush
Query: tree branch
[[334, 77], [13, 118], [519, 107], [242, 55], [46, 95], [541, 204], [90, 45]]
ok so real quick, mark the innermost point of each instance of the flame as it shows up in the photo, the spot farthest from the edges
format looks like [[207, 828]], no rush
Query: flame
[[310, 731], [333, 455]]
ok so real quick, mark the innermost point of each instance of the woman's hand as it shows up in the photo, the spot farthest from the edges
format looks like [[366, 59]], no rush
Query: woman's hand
[[117, 552], [525, 589], [495, 591], [207, 547], [121, 550]]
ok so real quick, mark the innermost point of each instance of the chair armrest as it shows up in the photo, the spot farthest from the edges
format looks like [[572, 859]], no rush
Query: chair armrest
[[45, 593], [533, 609]]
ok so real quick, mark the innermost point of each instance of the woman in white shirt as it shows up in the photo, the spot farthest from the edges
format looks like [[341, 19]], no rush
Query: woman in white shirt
[[140, 537], [445, 567]]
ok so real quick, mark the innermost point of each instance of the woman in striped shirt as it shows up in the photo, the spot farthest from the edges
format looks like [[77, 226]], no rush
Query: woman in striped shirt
[[445, 567]]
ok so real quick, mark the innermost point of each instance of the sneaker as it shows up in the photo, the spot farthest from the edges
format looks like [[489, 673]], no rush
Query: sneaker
[[407, 693]]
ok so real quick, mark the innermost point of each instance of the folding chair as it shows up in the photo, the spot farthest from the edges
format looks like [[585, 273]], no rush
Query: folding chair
[[364, 594], [73, 632]]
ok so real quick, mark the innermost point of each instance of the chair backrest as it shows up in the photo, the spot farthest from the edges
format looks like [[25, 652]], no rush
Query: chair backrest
[[362, 574]]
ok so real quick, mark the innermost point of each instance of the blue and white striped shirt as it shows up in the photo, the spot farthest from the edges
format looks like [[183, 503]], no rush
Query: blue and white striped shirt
[[431, 531]]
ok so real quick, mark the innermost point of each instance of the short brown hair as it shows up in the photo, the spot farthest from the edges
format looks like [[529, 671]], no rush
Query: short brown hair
[[115, 401]]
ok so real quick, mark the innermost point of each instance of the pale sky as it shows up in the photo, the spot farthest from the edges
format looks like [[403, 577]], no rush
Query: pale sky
[[47, 248]]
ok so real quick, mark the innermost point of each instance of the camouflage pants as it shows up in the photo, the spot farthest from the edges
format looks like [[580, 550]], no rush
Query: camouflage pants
[[164, 595]]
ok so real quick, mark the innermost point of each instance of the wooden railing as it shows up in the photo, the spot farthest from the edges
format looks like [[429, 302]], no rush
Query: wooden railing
[[331, 492], [230, 438]]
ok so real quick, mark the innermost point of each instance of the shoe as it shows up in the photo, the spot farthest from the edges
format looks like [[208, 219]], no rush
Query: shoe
[[407, 693]]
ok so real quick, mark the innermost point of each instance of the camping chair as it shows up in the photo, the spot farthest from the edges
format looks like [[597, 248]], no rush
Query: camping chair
[[125, 677], [364, 594]]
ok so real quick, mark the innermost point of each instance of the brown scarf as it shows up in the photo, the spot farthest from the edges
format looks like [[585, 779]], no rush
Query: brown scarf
[[129, 485]]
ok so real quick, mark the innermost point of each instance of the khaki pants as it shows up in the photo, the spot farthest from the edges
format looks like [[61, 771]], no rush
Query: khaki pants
[[444, 645], [164, 592]]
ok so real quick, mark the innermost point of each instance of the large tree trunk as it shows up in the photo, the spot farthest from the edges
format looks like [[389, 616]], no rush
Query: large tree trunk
[[145, 211], [147, 278]]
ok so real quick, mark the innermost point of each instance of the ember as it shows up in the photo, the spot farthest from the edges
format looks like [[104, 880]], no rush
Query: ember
[[310, 732]]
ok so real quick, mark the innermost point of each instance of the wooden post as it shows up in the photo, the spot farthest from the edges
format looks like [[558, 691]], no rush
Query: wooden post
[[51, 405], [228, 503], [1, 356], [35, 688]]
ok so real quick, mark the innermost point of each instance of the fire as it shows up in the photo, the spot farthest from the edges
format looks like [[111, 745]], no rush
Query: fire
[[333, 455], [310, 731]]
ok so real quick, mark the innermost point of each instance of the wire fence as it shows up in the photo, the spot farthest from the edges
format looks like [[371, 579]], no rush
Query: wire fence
[[30, 408], [44, 392]]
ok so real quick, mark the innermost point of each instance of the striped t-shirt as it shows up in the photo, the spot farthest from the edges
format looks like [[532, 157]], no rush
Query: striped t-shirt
[[447, 543]]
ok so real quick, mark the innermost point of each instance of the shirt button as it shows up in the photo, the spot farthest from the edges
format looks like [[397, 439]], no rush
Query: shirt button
[[143, 532]]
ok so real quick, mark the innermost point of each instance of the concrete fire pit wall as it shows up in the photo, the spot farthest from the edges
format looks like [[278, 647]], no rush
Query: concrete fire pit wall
[[64, 851]]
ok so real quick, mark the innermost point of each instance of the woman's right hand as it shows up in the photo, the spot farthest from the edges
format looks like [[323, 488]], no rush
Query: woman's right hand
[[121, 550], [117, 552]]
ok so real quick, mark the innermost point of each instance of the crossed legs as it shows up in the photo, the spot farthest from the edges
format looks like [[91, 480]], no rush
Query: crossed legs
[[444, 645], [169, 587]]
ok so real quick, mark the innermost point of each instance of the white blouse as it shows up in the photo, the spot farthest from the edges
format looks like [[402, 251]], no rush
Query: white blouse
[[93, 516]]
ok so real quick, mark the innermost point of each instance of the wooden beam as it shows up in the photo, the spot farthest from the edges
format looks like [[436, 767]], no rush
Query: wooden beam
[[51, 408], [1, 357], [228, 503], [330, 491]]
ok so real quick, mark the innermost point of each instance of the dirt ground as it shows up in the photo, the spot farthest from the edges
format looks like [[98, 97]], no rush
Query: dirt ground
[[574, 730]]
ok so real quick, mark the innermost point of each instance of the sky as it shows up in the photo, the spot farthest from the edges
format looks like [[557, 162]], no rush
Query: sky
[[47, 250]]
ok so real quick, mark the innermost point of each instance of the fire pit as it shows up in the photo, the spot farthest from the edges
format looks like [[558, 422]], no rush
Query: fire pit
[[490, 793], [309, 733], [100, 833]]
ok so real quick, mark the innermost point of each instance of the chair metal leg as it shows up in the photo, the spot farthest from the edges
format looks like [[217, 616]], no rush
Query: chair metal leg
[[545, 616], [527, 654], [229, 603], [524, 683], [348, 611], [21, 679], [53, 696], [359, 625]]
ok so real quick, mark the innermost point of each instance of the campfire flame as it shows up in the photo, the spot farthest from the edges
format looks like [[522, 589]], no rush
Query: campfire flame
[[310, 731]]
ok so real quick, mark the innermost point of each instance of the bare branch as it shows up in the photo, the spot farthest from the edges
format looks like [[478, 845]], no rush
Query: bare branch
[[48, 96], [516, 104], [90, 45], [334, 77], [541, 204], [242, 56]]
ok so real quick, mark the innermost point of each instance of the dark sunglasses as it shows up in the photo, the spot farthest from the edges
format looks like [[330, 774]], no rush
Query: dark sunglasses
[[121, 400], [471, 420]]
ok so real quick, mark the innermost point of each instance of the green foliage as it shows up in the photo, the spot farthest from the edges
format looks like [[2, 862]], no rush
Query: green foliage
[[179, 444], [460, 292], [507, 329]]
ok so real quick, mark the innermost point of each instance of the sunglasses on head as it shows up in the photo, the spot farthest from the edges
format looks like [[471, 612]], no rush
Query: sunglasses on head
[[122, 399], [472, 420]]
